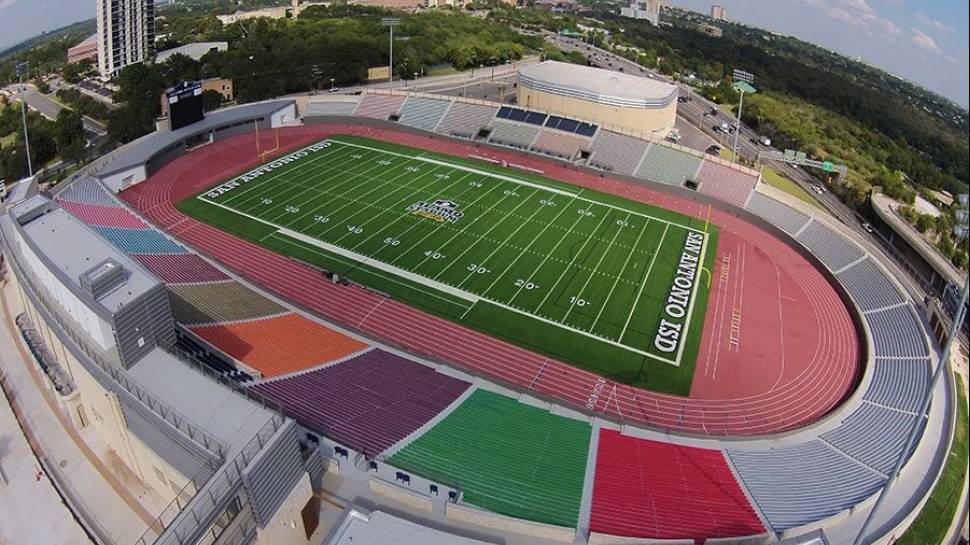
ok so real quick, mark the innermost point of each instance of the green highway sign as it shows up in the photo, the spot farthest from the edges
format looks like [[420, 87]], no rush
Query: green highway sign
[[828, 166]]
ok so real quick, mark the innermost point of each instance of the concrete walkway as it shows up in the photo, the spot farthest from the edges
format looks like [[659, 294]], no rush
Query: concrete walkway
[[102, 500], [30, 508]]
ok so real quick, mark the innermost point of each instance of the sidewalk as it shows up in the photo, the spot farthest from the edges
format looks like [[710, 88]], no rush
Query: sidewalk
[[110, 509], [30, 508]]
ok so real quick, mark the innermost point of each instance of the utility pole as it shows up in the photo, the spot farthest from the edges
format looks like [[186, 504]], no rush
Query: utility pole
[[21, 68], [390, 23], [742, 84]]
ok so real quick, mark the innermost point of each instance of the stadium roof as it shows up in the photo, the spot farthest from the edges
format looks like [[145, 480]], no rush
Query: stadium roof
[[140, 151], [230, 418], [597, 85], [54, 236], [380, 528], [195, 50]]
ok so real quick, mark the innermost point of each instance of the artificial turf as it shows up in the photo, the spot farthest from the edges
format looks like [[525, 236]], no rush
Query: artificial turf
[[576, 274]]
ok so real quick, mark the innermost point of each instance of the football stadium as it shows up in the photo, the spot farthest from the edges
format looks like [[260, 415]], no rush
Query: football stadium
[[469, 322]]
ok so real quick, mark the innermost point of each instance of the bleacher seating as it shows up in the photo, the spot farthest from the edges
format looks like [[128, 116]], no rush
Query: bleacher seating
[[513, 135], [507, 457], [423, 113], [522, 116], [87, 190], [571, 125], [368, 402], [105, 216], [616, 152], [899, 383], [832, 249], [667, 165], [780, 215], [343, 108], [379, 106], [213, 362], [649, 489], [180, 268], [873, 435], [869, 286], [213, 302], [800, 484], [140, 241], [725, 183], [559, 145], [896, 333], [280, 344], [465, 120]]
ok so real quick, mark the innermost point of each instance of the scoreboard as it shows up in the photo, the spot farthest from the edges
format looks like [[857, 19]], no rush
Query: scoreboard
[[184, 103]]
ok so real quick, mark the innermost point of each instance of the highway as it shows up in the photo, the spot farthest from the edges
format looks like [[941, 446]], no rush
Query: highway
[[692, 113], [49, 108]]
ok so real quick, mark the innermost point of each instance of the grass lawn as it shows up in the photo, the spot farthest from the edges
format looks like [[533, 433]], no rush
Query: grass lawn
[[786, 184], [614, 286], [934, 520]]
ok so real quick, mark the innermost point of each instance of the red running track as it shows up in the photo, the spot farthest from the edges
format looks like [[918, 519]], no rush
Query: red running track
[[789, 354], [650, 489]]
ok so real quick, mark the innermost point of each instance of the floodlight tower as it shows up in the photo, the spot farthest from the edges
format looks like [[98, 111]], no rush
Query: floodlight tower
[[390, 23], [21, 68], [742, 84]]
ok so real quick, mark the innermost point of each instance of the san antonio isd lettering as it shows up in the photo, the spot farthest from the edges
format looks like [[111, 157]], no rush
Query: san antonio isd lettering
[[439, 210]]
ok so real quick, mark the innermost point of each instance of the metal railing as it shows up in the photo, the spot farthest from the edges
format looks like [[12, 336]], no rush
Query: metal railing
[[114, 371]]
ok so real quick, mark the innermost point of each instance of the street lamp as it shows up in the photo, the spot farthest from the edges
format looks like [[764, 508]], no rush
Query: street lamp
[[21, 68], [742, 84], [331, 84], [390, 23]]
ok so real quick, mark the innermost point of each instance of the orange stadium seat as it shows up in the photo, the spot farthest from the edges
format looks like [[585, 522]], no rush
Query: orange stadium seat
[[279, 345]]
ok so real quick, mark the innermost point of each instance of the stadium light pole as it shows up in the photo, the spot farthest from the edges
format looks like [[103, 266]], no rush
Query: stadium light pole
[[21, 68], [742, 84], [390, 23], [942, 367]]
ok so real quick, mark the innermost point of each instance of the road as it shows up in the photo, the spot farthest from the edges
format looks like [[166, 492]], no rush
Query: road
[[50, 108], [693, 112]]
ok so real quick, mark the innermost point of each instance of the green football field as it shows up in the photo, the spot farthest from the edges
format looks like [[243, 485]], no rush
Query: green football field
[[611, 285]]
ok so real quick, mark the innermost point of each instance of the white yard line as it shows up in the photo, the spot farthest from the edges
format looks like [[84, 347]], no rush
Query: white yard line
[[643, 282], [490, 229], [459, 232], [596, 268], [526, 249], [550, 252], [526, 183], [503, 243], [617, 281], [570, 266]]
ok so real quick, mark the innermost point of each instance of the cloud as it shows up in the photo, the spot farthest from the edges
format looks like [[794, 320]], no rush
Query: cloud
[[923, 41], [858, 14], [4, 4], [934, 24]]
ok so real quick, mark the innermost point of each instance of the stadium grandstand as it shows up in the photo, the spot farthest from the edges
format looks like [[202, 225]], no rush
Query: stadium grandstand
[[264, 378]]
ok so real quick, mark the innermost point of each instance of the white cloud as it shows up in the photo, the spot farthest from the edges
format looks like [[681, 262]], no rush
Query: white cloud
[[934, 24], [858, 14], [4, 4], [924, 41]]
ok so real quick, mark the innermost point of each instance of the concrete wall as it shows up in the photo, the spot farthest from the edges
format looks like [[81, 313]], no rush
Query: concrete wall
[[495, 521], [637, 121], [286, 525], [400, 494]]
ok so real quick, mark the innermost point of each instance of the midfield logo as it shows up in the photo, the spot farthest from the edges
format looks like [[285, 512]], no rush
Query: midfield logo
[[440, 210]]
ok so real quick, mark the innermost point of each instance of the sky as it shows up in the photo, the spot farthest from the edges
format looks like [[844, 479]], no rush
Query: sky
[[924, 41]]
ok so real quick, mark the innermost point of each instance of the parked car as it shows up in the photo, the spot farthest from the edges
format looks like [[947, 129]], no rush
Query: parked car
[[714, 150]]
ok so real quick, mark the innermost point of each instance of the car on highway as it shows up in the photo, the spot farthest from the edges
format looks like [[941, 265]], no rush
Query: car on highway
[[868, 228]]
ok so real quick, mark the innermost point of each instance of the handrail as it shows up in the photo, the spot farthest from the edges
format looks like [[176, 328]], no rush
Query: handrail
[[119, 375]]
